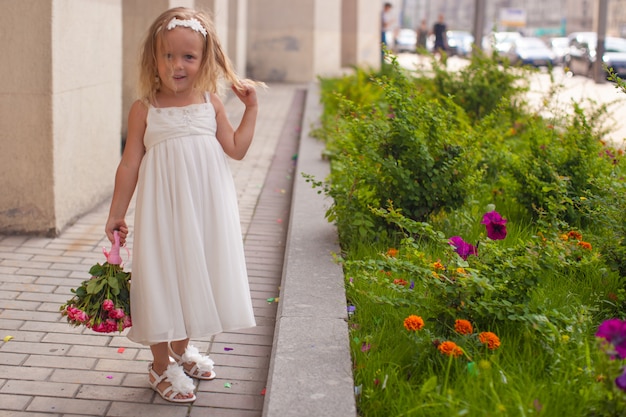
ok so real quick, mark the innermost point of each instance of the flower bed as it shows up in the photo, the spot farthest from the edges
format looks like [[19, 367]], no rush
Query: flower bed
[[483, 246]]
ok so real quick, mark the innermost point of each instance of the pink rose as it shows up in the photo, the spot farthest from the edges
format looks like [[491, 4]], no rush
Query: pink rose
[[107, 305], [118, 313], [81, 316]]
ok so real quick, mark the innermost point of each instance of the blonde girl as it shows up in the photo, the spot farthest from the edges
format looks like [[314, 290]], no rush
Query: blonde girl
[[189, 277]]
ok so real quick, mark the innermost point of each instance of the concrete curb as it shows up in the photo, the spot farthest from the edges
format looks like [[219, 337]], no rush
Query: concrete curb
[[310, 369]]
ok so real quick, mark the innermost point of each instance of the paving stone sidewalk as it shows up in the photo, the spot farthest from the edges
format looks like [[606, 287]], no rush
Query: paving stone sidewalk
[[50, 368]]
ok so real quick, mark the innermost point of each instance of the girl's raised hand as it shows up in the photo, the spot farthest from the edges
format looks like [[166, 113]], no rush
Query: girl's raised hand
[[246, 93]]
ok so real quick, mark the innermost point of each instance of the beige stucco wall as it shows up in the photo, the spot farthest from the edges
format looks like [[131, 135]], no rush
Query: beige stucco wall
[[360, 34], [238, 34], [86, 103], [293, 41], [26, 194], [59, 111]]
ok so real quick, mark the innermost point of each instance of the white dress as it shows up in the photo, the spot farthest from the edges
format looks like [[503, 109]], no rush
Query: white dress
[[189, 277]]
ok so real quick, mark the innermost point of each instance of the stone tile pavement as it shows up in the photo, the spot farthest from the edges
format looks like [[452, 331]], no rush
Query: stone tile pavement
[[50, 368]]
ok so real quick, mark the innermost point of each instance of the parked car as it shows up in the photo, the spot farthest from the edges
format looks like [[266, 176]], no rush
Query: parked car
[[530, 51], [405, 41], [459, 42], [582, 54], [560, 46], [500, 42]]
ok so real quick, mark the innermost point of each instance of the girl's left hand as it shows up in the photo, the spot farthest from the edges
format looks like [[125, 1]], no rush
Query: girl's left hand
[[247, 94]]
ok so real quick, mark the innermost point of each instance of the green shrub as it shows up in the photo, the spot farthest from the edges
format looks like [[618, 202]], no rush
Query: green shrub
[[406, 149]]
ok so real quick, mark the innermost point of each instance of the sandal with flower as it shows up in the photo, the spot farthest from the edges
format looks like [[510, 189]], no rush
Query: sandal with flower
[[200, 364], [179, 384]]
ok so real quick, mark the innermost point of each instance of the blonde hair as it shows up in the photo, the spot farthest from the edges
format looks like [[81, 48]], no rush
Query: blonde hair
[[214, 65]]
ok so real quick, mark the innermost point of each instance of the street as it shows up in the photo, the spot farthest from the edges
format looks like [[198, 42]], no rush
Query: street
[[567, 88]]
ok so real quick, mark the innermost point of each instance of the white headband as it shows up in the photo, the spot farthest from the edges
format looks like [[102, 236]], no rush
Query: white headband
[[192, 23]]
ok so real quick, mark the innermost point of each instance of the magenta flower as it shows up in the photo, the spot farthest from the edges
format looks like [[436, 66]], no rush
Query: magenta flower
[[495, 224], [614, 332], [463, 248]]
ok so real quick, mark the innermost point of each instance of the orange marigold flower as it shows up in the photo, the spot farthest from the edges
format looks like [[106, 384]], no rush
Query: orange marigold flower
[[463, 326], [413, 323], [450, 349], [438, 266], [393, 252], [584, 245], [564, 237], [575, 235], [490, 339], [400, 281], [436, 275], [461, 271]]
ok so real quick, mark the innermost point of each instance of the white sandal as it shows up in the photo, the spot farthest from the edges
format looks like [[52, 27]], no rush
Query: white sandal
[[179, 384], [201, 363]]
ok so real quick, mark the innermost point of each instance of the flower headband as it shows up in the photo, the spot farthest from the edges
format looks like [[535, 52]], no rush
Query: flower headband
[[192, 23]]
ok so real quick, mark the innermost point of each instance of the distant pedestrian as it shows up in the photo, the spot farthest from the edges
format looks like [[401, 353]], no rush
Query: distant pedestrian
[[422, 35], [387, 23], [441, 40], [189, 277]]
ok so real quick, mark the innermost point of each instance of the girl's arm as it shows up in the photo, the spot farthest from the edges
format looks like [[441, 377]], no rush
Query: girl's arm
[[237, 142], [127, 171]]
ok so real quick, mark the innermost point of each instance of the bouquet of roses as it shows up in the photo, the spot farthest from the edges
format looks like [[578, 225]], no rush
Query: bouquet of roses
[[102, 303]]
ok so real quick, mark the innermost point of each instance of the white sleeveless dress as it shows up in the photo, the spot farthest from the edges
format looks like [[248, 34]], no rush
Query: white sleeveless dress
[[189, 277]]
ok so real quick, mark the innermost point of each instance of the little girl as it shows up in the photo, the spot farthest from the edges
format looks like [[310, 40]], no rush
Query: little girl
[[189, 277]]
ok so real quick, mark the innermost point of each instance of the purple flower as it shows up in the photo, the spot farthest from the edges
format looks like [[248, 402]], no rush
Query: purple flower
[[495, 224], [463, 248], [620, 381], [614, 331]]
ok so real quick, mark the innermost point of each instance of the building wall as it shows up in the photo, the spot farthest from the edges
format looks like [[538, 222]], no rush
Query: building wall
[[60, 90], [26, 142], [86, 107], [360, 34], [293, 41]]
